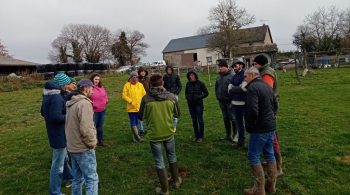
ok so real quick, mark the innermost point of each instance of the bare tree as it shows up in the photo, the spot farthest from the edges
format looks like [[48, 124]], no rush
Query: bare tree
[[304, 39], [137, 46], [72, 33], [79, 42], [97, 43], [346, 29], [226, 18], [326, 25], [3, 50], [59, 51]]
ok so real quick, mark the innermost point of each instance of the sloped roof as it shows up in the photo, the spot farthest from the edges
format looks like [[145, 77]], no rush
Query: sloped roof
[[9, 61], [187, 43], [247, 35]]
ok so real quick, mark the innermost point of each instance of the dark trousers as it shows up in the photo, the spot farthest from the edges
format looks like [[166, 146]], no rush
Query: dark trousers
[[239, 111], [196, 112], [229, 120], [99, 118]]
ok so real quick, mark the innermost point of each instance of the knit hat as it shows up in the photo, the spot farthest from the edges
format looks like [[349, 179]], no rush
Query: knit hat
[[62, 79], [72, 80], [85, 83], [261, 59], [222, 63], [134, 74]]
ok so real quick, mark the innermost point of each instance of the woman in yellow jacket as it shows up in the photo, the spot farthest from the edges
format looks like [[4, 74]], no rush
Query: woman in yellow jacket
[[133, 92]]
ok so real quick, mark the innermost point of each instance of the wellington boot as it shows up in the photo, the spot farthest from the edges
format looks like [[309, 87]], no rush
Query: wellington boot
[[270, 185], [278, 157], [136, 137], [259, 182], [163, 179], [175, 175]]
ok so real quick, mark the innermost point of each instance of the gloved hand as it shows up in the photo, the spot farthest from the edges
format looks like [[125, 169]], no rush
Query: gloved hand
[[230, 86], [243, 85]]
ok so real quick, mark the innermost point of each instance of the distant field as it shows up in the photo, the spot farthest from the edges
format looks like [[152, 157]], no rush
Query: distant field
[[313, 128]]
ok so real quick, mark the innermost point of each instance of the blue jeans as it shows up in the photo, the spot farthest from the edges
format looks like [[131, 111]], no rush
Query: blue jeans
[[58, 156], [261, 143], [84, 170], [141, 127], [99, 118], [169, 146], [238, 111], [134, 119], [67, 171], [196, 112]]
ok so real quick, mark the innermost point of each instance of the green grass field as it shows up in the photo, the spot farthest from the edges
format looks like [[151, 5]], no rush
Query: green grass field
[[313, 126]]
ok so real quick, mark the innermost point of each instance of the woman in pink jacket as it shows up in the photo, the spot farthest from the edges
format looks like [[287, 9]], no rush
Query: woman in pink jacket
[[100, 100]]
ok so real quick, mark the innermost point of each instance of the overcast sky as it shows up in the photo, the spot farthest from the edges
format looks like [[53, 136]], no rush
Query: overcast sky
[[27, 27]]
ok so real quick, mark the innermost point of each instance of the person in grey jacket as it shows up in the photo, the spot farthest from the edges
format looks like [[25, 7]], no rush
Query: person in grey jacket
[[223, 80], [81, 138]]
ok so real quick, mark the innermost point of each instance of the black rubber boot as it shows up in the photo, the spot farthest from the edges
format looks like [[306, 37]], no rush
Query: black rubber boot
[[163, 179], [175, 175]]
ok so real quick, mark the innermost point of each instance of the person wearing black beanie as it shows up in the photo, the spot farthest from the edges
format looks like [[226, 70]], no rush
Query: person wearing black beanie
[[225, 76], [222, 62], [269, 75], [261, 60]]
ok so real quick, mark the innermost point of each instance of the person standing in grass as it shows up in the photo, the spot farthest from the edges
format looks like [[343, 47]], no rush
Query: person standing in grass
[[81, 138], [221, 85], [158, 108], [132, 94], [99, 99], [172, 84], [269, 75], [144, 79], [195, 92], [53, 110], [236, 91], [261, 107]]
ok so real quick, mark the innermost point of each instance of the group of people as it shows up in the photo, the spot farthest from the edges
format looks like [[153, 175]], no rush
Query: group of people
[[248, 99], [74, 115], [249, 102]]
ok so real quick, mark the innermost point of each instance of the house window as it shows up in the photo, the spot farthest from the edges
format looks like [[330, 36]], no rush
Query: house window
[[209, 59]]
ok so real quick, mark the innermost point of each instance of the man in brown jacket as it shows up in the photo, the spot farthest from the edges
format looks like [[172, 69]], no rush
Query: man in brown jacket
[[81, 138]]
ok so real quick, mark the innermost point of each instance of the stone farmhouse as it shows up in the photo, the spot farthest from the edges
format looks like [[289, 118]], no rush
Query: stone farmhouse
[[191, 51]]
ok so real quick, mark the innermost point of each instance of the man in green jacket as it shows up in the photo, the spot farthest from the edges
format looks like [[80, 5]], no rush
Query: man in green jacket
[[158, 108]]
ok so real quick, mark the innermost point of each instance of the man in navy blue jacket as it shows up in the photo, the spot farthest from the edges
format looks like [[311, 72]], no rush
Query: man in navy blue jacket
[[236, 91], [53, 110]]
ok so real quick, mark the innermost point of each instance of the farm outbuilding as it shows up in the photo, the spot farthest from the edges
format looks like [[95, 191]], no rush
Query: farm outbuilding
[[10, 65]]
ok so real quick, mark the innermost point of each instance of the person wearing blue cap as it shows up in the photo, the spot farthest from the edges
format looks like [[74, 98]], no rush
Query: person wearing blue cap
[[81, 138]]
